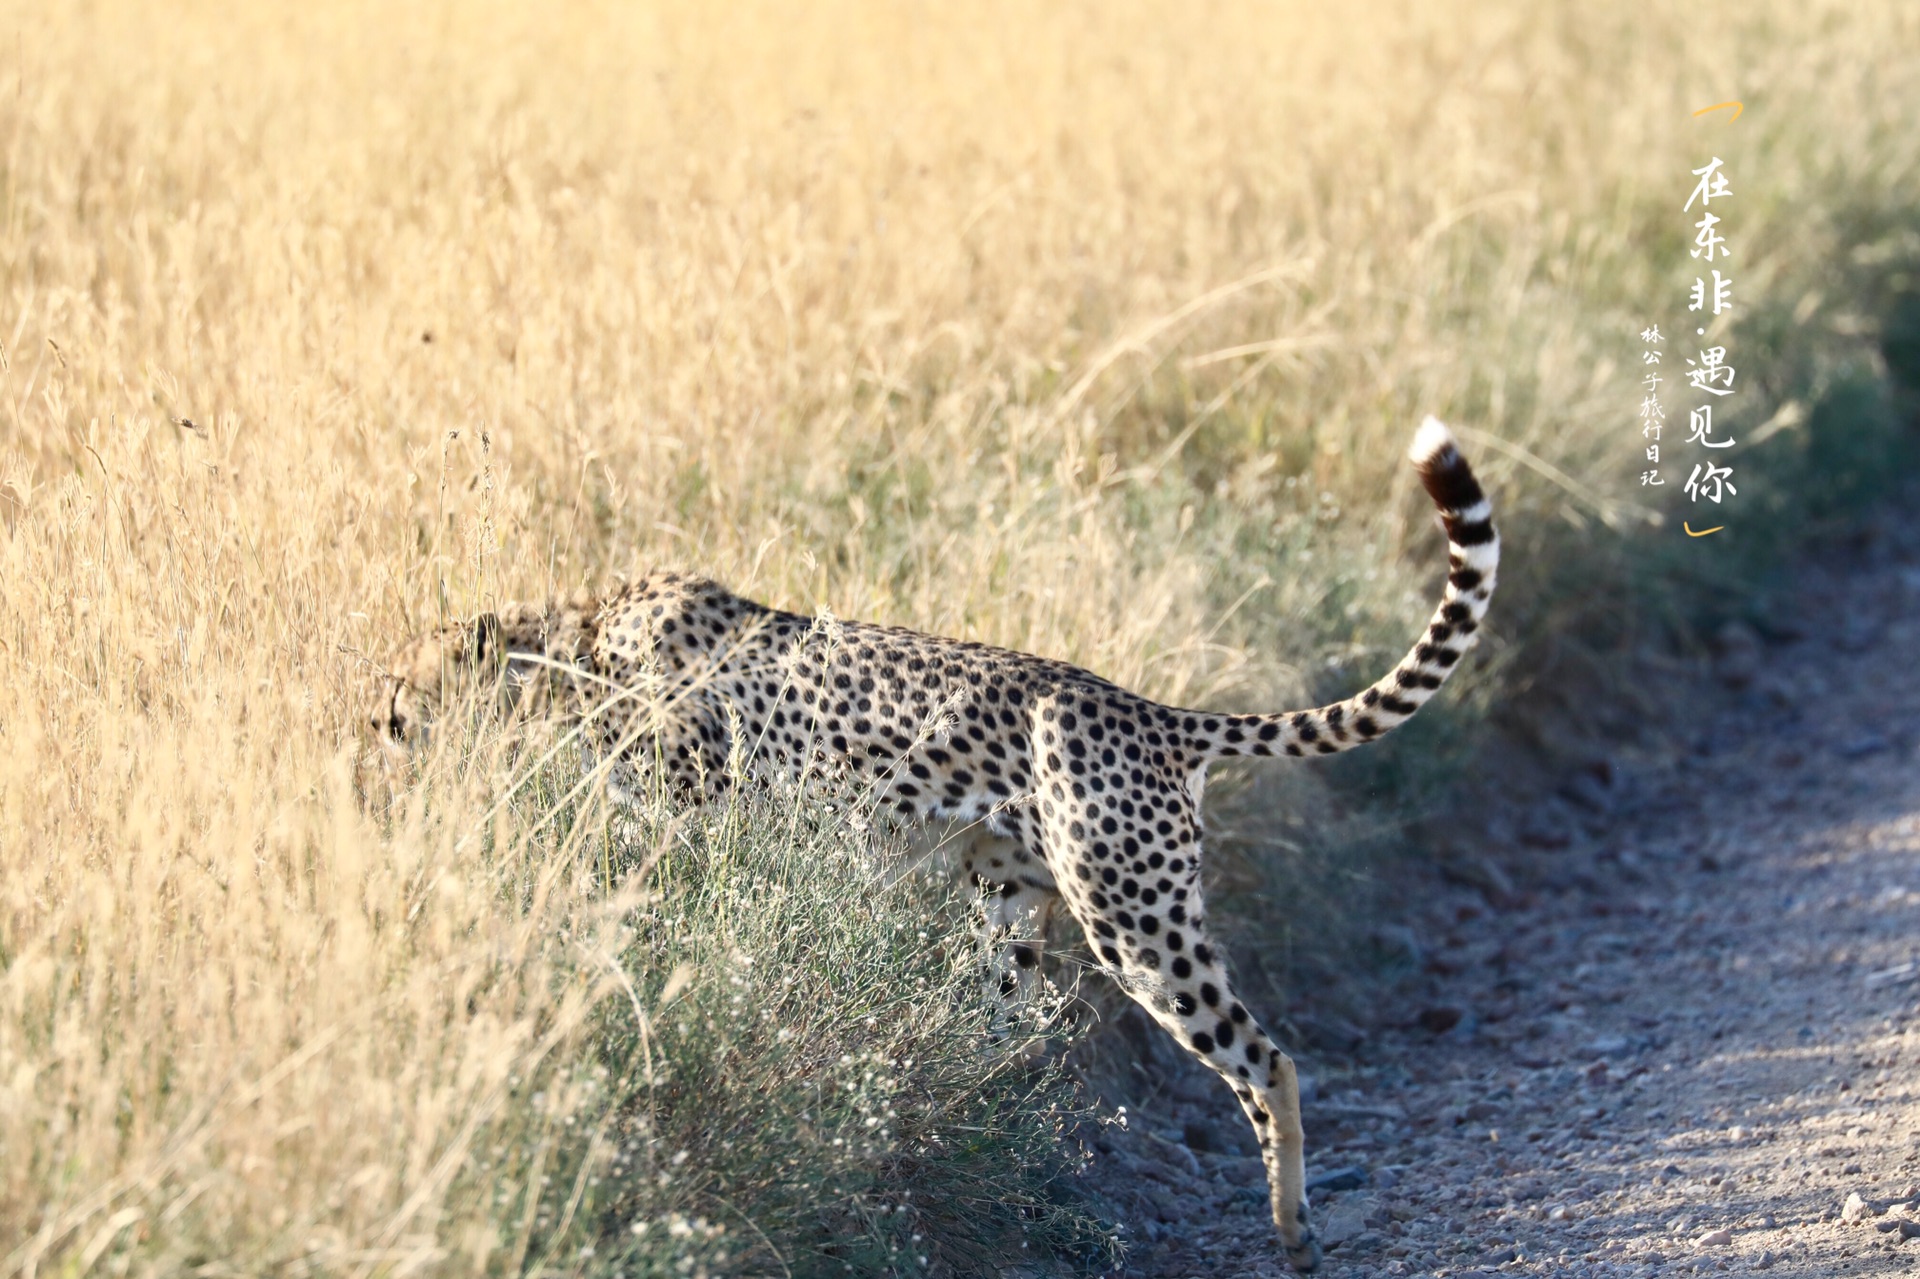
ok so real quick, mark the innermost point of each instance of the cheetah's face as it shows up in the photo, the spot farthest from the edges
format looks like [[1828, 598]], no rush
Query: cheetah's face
[[431, 671]]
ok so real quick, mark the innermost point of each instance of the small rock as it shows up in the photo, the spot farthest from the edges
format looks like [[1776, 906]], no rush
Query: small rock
[[1716, 1238], [1347, 1220], [1339, 1179], [1439, 1020], [1899, 974], [1547, 825], [1855, 1209], [1528, 1189], [1736, 658], [1175, 1151], [1205, 1136], [1764, 1261], [1909, 1230], [1858, 633], [1482, 873], [1863, 746], [1586, 790], [1397, 944], [1329, 1029]]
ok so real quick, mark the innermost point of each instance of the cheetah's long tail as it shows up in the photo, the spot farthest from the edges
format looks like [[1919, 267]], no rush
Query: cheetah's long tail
[[1473, 555]]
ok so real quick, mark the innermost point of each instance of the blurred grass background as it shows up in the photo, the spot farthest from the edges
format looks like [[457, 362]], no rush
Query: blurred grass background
[[1096, 331]]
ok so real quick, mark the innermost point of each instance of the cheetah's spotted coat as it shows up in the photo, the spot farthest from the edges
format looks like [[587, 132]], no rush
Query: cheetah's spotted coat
[[1092, 791]]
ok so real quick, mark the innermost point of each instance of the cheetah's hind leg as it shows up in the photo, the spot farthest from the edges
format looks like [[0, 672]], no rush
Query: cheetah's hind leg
[[1126, 857]]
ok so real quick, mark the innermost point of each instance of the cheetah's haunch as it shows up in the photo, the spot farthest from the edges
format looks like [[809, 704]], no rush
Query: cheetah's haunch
[[1091, 791]]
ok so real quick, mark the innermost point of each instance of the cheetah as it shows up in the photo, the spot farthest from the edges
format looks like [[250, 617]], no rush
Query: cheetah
[[1091, 794]]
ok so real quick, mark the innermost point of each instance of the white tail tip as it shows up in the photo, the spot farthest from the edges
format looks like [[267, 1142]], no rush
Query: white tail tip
[[1432, 439]]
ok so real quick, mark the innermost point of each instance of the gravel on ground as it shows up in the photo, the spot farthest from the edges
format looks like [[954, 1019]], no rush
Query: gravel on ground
[[1687, 1042]]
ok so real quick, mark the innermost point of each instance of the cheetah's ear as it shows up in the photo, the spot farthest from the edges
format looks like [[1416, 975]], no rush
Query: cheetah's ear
[[489, 643]]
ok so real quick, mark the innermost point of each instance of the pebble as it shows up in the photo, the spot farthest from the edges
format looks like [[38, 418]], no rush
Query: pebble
[[1858, 634], [1863, 746], [1547, 826], [1855, 1209], [1346, 1221], [1737, 655], [1589, 792], [1716, 1238], [1339, 1179]]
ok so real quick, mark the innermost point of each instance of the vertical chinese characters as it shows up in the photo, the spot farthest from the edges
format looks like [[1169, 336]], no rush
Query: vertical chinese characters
[[1652, 416], [1708, 373]]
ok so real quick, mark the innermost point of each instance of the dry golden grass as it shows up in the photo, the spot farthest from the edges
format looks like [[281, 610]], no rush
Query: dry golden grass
[[1095, 331]]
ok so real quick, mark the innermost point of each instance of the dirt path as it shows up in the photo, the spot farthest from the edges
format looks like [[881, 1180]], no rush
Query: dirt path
[[1682, 1051]]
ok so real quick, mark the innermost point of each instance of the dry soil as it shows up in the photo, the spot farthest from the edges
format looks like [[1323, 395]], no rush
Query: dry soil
[[1686, 1039]]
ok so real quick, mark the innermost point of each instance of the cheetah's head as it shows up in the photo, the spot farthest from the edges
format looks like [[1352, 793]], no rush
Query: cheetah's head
[[449, 664], [515, 661]]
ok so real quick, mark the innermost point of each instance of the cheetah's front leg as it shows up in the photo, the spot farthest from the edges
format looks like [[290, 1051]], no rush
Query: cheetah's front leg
[[1020, 905]]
